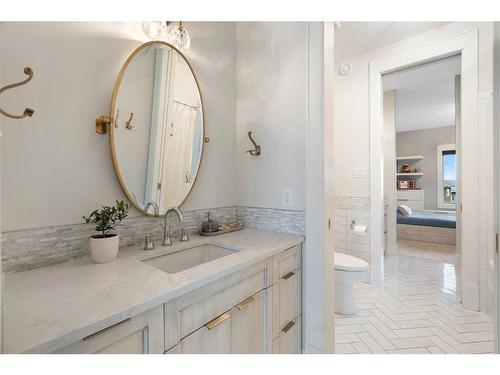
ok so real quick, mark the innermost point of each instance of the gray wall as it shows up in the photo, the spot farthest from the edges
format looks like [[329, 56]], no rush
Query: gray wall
[[272, 102], [54, 167], [424, 142]]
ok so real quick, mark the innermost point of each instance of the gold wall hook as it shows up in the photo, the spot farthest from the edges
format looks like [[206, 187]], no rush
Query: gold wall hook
[[28, 112], [128, 124], [101, 124], [256, 150]]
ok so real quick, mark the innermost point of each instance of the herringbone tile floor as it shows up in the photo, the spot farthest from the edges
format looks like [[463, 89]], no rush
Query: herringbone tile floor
[[416, 311]]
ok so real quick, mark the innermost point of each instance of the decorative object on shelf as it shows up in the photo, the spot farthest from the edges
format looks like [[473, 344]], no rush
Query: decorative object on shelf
[[256, 150], [28, 112], [168, 31], [405, 168], [402, 184], [128, 124], [406, 184], [104, 247]]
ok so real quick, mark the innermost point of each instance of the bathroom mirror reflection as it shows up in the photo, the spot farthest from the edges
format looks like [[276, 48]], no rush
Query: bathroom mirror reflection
[[157, 127]]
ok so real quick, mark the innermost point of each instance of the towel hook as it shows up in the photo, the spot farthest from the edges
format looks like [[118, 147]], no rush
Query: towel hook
[[28, 112], [128, 124], [256, 150]]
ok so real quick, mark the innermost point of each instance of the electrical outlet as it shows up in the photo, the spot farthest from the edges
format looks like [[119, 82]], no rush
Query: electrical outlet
[[287, 197], [358, 172]]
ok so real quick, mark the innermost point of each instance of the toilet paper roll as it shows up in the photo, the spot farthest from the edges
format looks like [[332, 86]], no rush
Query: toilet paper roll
[[360, 230]]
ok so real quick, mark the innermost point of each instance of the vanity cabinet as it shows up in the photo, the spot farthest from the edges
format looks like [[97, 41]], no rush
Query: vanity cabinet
[[257, 310], [286, 302], [141, 334]]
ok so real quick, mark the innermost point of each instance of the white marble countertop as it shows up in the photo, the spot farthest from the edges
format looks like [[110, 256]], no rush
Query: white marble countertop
[[50, 307]]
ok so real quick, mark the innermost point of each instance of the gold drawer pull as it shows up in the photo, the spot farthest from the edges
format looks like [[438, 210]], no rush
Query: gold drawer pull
[[288, 326], [214, 323], [288, 275], [105, 329], [245, 303]]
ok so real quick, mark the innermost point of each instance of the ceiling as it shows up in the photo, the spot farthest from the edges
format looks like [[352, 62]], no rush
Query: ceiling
[[355, 38], [425, 95]]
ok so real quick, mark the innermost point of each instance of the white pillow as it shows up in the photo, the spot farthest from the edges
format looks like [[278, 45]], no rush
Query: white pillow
[[404, 210]]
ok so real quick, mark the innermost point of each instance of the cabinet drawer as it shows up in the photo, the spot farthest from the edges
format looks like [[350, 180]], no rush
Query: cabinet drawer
[[212, 338], [248, 325], [285, 262], [286, 294], [192, 311], [140, 334], [289, 340], [412, 195]]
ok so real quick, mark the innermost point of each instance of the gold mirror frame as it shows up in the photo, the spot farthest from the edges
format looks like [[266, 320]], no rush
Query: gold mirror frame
[[112, 120]]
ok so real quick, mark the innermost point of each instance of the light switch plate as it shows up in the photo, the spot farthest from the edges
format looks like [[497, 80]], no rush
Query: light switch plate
[[358, 172]]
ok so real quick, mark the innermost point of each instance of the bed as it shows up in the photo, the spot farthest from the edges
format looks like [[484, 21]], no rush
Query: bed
[[428, 226], [441, 219]]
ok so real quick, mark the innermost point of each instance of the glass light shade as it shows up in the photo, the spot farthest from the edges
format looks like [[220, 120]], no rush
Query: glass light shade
[[155, 29], [179, 36]]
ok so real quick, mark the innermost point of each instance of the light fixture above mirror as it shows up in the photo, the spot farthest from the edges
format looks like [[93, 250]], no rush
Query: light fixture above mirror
[[170, 32]]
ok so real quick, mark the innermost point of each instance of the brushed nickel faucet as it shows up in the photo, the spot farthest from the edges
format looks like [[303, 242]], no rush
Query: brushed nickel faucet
[[167, 240]]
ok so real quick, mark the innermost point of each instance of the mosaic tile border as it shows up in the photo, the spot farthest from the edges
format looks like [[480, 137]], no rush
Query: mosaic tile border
[[274, 220]]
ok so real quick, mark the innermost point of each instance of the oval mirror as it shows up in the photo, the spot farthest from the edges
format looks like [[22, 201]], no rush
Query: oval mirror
[[157, 129]]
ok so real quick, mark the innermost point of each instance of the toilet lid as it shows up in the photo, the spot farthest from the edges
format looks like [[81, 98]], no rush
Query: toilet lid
[[346, 262]]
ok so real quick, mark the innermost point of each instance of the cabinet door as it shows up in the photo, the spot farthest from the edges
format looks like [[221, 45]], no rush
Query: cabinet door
[[248, 325], [286, 300], [289, 339], [141, 334], [213, 338]]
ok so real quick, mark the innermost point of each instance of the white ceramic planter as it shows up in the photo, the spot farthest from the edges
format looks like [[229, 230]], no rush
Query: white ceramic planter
[[104, 250]]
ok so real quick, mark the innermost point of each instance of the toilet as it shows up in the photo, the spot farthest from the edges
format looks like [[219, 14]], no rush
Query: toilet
[[348, 270]]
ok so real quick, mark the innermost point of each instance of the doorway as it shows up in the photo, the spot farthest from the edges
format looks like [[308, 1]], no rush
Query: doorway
[[464, 45], [421, 109]]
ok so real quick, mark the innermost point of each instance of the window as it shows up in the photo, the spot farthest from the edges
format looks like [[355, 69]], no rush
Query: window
[[446, 176]]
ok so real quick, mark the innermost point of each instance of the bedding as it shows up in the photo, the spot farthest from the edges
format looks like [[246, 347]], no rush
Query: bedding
[[429, 218]]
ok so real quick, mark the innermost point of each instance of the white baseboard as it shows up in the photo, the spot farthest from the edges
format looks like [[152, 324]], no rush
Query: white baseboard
[[376, 275], [470, 296], [310, 349], [392, 249]]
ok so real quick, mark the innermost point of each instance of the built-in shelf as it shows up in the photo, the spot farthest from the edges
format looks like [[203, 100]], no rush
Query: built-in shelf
[[410, 158], [408, 175]]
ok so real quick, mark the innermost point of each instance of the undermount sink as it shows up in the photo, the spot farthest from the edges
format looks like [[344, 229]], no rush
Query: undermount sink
[[188, 258]]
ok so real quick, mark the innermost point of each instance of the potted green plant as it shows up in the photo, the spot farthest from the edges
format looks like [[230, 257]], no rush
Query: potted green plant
[[104, 246]]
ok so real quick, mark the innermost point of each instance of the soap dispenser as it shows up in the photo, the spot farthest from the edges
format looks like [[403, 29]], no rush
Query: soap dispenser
[[209, 225]]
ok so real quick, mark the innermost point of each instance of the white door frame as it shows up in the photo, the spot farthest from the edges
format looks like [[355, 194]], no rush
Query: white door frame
[[318, 267], [496, 154], [466, 45]]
